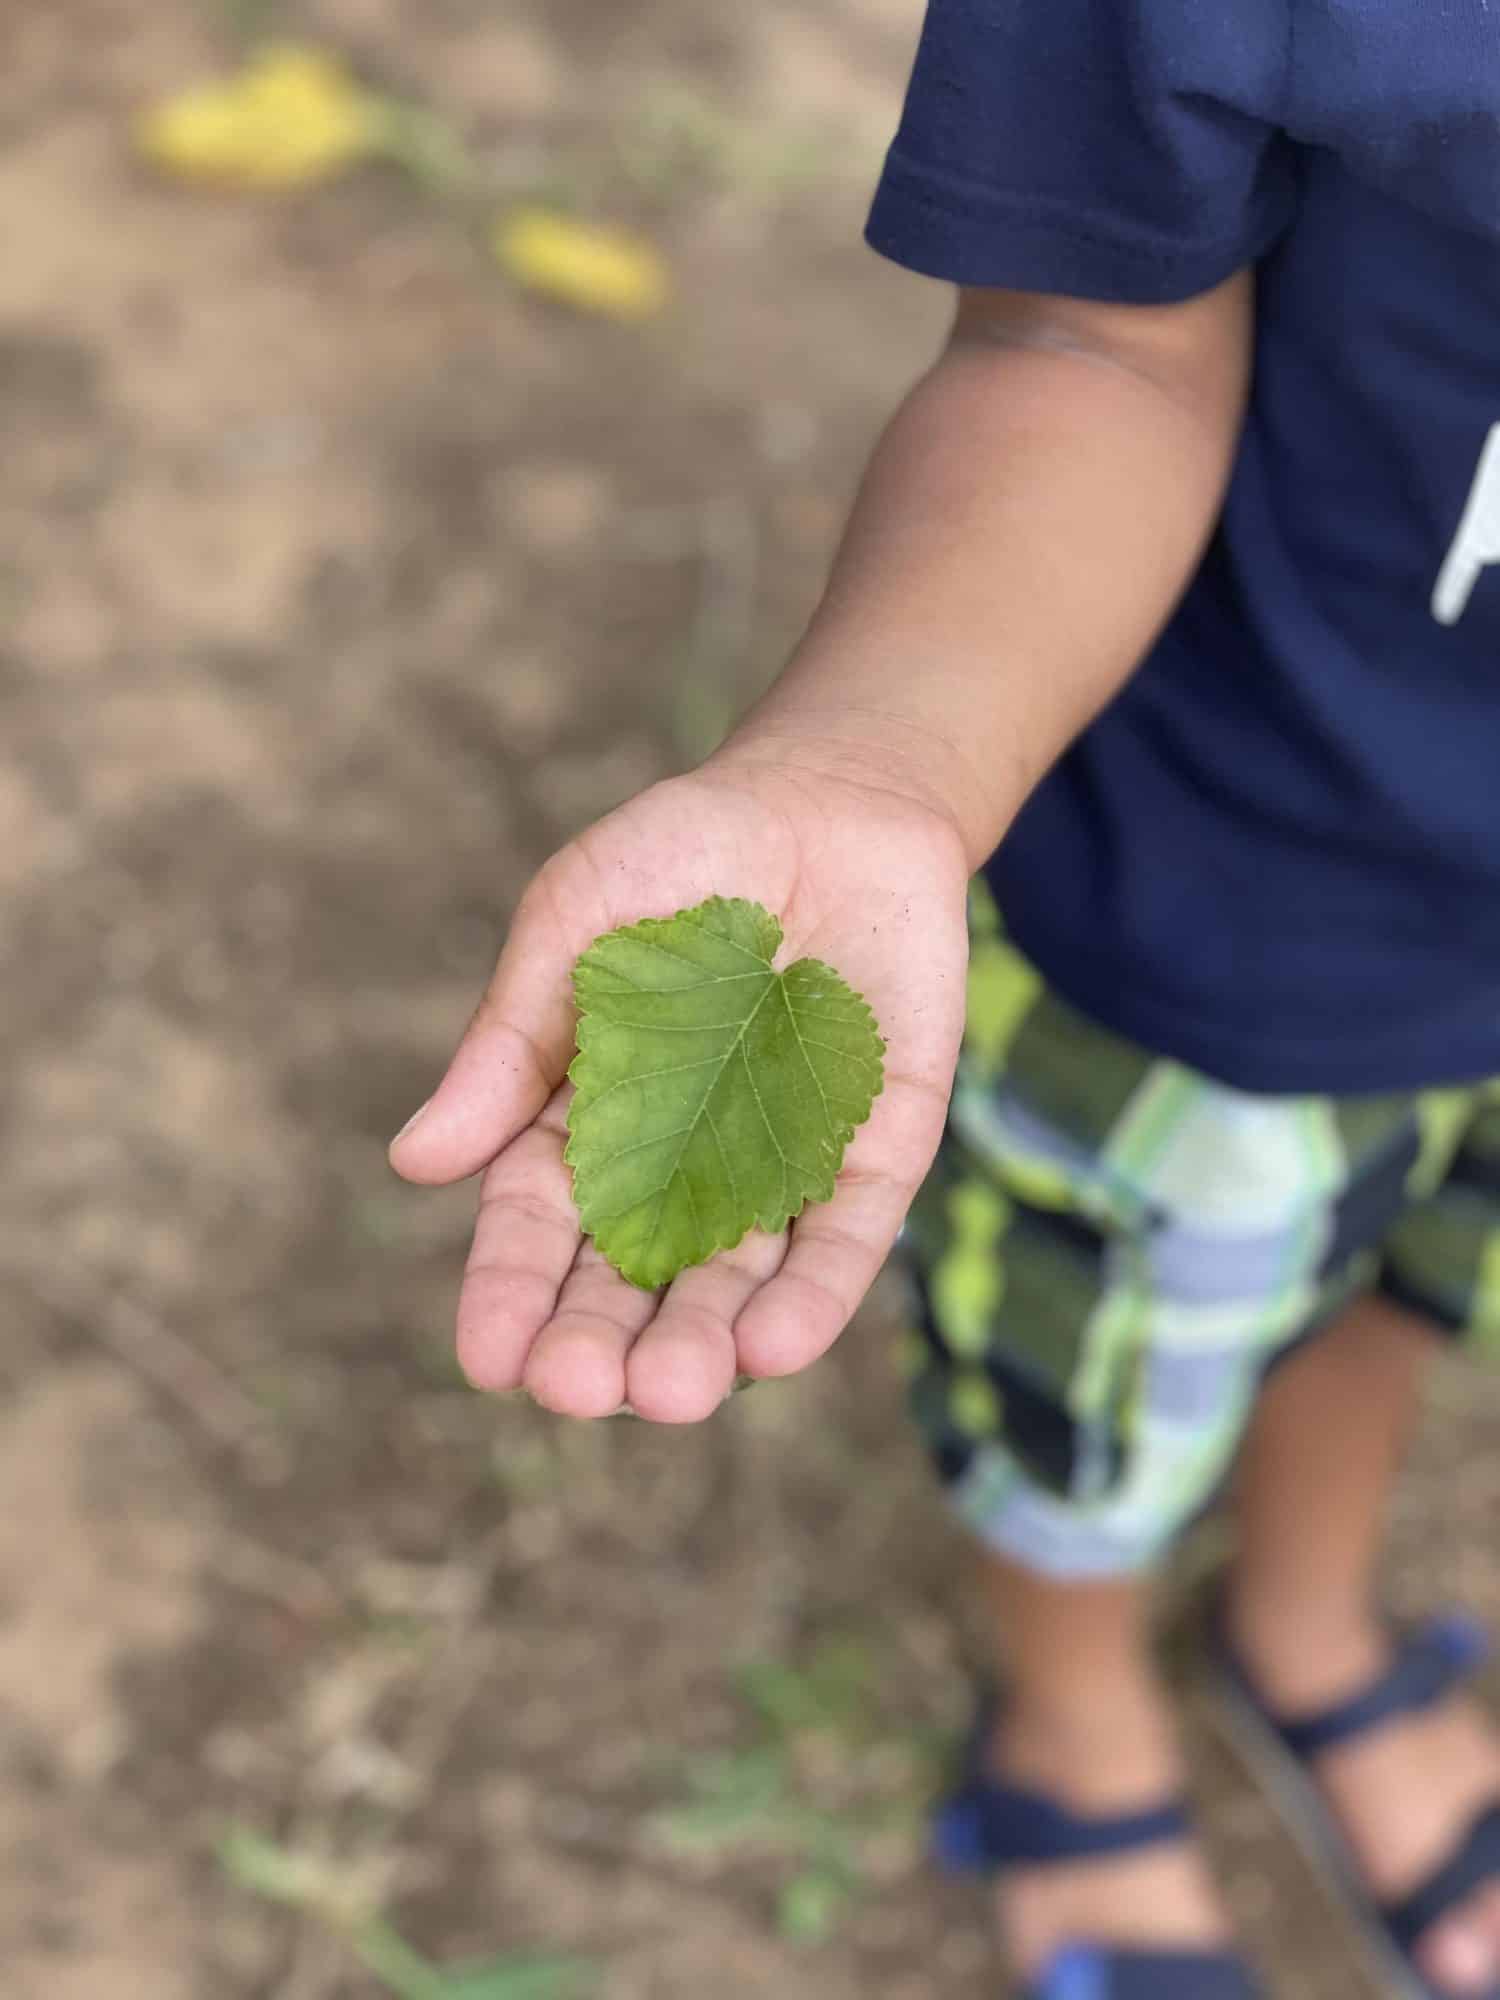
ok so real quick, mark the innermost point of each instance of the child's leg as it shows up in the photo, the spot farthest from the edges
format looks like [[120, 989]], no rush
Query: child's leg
[[1095, 1310], [1087, 1724], [1316, 1473], [1108, 1252]]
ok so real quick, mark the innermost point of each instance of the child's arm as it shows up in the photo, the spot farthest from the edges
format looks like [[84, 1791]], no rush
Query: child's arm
[[1026, 525]]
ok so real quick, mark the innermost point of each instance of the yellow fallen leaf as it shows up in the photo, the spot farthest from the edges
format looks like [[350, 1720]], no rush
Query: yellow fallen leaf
[[291, 116], [596, 269]]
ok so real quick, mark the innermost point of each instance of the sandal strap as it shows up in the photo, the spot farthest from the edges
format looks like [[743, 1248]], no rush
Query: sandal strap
[[1083, 1972], [1428, 1665], [986, 1825], [1474, 1863]]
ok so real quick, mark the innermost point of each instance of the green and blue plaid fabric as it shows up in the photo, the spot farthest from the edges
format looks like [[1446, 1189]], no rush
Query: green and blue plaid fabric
[[1112, 1249]]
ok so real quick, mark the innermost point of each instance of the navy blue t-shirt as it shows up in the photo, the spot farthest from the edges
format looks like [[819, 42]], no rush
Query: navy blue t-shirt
[[1276, 856]]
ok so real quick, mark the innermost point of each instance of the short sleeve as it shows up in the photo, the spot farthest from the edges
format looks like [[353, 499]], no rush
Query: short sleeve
[[1121, 150]]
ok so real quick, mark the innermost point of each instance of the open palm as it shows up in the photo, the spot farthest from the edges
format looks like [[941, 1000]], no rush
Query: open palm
[[863, 878]]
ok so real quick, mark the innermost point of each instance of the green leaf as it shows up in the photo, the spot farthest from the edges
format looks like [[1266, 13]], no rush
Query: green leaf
[[714, 1094]]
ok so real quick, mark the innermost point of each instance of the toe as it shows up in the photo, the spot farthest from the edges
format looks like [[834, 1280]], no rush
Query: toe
[[1461, 1955]]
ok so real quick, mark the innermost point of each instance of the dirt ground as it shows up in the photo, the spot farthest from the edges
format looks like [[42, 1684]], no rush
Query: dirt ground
[[339, 583]]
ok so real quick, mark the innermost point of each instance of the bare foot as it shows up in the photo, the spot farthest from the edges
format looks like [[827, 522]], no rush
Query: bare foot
[[1127, 1760], [1404, 1795]]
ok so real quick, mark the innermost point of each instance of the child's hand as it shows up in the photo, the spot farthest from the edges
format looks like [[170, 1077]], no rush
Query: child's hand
[[862, 875]]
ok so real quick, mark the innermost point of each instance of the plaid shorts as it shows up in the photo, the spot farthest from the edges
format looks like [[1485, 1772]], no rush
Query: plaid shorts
[[1112, 1249]]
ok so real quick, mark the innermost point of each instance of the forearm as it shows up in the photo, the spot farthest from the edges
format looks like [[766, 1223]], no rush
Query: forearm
[[1025, 527]]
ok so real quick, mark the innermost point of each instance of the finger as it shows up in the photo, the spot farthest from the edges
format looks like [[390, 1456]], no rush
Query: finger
[[683, 1365], [526, 1237], [513, 1055], [577, 1365], [838, 1247]]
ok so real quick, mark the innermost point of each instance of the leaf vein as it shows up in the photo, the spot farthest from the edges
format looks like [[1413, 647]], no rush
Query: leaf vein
[[812, 1068], [847, 1054], [710, 979], [734, 1186], [656, 1139], [672, 1027], [648, 1076], [765, 1120], [675, 1069], [687, 1188], [683, 959], [735, 945]]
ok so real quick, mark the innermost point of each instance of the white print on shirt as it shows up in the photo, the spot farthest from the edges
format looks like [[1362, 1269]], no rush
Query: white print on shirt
[[1476, 546]]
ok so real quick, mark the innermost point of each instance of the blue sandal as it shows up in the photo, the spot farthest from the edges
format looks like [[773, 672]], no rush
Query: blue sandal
[[1429, 1664], [987, 1826]]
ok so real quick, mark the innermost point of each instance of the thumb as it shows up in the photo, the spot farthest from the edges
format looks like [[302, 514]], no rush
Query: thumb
[[513, 1055]]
